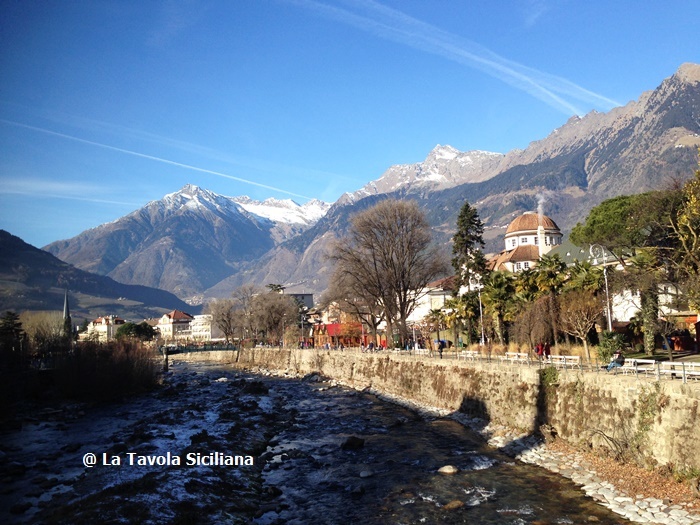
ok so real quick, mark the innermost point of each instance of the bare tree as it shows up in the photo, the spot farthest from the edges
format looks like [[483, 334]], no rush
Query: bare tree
[[353, 297], [532, 323], [243, 305], [387, 255], [578, 312], [223, 316], [272, 312], [44, 330]]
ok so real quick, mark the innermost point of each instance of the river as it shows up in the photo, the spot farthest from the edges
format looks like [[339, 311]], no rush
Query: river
[[308, 451]]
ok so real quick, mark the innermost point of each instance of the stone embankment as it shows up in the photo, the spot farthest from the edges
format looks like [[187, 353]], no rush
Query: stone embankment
[[509, 404]]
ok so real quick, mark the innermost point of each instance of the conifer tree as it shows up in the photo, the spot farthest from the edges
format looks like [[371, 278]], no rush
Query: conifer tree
[[468, 259]]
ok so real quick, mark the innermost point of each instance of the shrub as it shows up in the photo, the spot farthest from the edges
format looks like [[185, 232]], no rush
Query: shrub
[[610, 342], [106, 371]]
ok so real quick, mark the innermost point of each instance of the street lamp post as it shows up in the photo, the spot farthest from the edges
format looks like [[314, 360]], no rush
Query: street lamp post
[[596, 251], [476, 281], [481, 317], [284, 318]]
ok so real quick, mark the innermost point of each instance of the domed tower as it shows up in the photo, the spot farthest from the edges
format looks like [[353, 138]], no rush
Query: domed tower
[[528, 238], [531, 228]]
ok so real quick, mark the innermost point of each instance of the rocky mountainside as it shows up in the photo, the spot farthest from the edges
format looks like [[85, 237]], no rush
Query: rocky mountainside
[[635, 148], [31, 279], [194, 242], [444, 167], [188, 240]]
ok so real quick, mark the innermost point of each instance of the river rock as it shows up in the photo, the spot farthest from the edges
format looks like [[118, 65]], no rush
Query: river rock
[[454, 504], [448, 470], [353, 443]]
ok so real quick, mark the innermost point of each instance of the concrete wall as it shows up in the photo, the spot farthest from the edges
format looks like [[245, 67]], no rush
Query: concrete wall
[[653, 423]]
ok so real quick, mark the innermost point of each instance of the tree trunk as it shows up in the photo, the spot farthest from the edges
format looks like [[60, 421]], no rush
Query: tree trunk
[[499, 328], [553, 319], [585, 347], [650, 314]]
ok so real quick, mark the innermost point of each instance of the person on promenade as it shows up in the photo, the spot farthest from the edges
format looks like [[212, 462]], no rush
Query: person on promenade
[[547, 350], [618, 359]]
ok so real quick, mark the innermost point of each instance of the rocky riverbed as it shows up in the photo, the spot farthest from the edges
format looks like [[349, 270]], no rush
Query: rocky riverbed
[[267, 450]]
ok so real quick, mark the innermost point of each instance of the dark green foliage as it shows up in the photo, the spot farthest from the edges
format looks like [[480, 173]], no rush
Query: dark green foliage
[[142, 331], [609, 224], [468, 242]]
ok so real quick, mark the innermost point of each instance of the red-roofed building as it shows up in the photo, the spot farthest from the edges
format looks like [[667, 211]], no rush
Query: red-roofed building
[[175, 325]]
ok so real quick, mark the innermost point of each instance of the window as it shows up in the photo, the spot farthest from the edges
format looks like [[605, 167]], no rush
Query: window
[[518, 266], [526, 265], [513, 241], [537, 240], [523, 240]]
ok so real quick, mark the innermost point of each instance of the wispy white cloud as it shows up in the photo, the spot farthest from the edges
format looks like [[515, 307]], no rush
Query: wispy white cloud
[[534, 10], [391, 24], [153, 158], [53, 189], [174, 18], [119, 132]]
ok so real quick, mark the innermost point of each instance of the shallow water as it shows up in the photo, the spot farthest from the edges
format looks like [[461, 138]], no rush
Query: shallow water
[[301, 472]]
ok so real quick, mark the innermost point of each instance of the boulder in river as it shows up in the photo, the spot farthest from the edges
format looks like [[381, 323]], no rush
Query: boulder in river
[[448, 470], [353, 443]]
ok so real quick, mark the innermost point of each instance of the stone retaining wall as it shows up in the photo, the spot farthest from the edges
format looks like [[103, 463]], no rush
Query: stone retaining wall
[[653, 422]]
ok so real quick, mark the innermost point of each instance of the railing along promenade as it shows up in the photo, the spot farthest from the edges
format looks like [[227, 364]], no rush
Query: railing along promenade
[[640, 368]]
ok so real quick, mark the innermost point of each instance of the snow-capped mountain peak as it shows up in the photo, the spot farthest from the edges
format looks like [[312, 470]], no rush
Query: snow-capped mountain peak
[[285, 211], [280, 211], [444, 167]]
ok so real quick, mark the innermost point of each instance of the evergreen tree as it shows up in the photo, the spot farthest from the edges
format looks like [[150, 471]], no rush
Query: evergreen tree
[[467, 244]]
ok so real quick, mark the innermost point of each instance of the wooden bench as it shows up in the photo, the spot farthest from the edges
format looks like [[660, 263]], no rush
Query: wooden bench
[[564, 361], [468, 354], [680, 369], [516, 357], [638, 366]]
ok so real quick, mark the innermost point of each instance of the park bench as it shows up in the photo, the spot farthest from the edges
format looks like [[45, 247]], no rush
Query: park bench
[[564, 361], [638, 366], [468, 354], [680, 369], [516, 357]]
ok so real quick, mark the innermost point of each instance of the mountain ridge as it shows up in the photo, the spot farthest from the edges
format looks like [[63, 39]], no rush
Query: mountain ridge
[[633, 148], [32, 278]]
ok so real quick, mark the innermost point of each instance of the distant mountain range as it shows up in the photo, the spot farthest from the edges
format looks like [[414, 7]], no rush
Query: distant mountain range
[[187, 241], [32, 279], [198, 244]]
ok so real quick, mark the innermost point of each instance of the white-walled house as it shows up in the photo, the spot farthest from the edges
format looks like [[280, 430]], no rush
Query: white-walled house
[[175, 325], [433, 297], [103, 329], [528, 237]]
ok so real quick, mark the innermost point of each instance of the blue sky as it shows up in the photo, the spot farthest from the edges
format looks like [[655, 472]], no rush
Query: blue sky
[[106, 105]]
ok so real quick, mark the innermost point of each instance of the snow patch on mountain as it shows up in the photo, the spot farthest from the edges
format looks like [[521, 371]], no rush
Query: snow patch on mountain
[[286, 210], [444, 167], [279, 211]]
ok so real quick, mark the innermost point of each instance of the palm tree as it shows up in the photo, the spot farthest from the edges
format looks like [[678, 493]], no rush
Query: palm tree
[[437, 318], [526, 285], [584, 276], [550, 277], [497, 295]]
